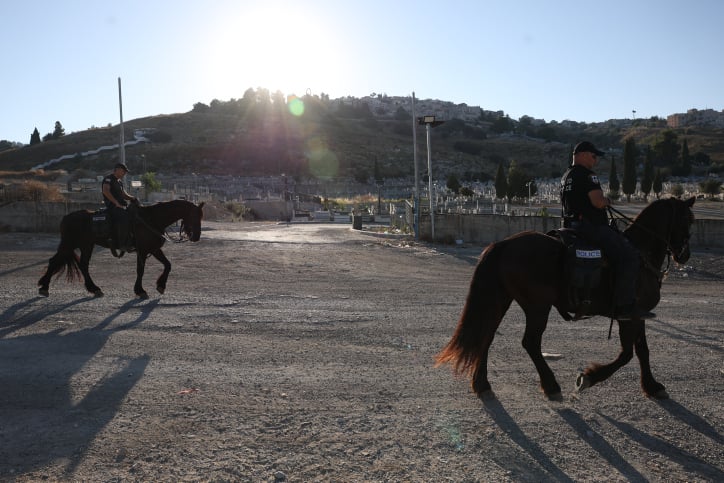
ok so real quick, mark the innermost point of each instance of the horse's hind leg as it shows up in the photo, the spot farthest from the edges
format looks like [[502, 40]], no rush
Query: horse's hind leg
[[84, 265], [55, 264], [650, 386], [479, 382], [536, 320]]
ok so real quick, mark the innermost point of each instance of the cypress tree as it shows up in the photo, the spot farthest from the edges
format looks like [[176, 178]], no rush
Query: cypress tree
[[629, 168], [501, 183]]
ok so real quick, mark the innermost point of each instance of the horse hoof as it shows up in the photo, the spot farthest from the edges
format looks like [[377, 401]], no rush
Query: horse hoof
[[662, 394], [44, 292], [556, 396], [583, 382], [487, 395], [98, 294], [142, 295], [161, 290]]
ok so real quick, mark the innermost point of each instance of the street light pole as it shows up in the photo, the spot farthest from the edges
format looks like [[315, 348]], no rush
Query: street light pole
[[416, 199], [429, 182], [430, 122]]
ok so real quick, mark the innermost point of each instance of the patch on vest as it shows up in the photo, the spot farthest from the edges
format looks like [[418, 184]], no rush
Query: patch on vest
[[101, 224], [594, 179]]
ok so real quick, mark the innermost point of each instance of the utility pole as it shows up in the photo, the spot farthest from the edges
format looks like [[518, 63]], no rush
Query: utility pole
[[122, 142]]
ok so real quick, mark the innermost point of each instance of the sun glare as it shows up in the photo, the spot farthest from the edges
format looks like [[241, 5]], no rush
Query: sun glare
[[274, 48]]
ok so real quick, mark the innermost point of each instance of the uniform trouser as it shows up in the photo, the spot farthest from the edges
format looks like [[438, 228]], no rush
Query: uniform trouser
[[120, 219], [623, 256]]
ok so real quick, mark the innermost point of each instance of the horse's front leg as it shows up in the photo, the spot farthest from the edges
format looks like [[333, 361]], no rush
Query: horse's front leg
[[650, 386], [163, 278], [629, 332], [84, 265], [140, 268]]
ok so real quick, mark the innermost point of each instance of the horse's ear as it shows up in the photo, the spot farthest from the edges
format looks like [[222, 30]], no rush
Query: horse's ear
[[201, 205], [690, 201]]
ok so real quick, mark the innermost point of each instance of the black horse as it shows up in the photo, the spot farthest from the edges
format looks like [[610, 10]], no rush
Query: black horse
[[149, 226], [528, 268]]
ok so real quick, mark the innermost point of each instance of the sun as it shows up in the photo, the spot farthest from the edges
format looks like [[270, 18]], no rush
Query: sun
[[276, 48]]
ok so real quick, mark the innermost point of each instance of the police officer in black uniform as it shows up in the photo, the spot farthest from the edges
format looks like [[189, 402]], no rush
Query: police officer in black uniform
[[116, 199], [584, 209]]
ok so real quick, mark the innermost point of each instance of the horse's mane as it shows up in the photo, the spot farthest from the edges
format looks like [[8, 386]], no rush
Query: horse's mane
[[655, 209]]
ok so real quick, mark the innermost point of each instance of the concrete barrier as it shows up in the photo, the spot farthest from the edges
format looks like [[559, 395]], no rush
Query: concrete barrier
[[484, 229], [39, 216]]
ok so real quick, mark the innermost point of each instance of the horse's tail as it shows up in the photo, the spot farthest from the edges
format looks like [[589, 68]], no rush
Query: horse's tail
[[66, 260], [484, 308]]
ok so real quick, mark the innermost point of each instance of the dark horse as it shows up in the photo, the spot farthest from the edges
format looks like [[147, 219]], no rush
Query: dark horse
[[149, 227], [528, 268]]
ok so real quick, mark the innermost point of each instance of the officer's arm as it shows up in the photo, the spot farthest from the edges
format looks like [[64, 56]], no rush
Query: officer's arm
[[598, 200]]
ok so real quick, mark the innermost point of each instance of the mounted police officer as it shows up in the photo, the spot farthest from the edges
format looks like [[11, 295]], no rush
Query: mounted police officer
[[116, 199], [584, 210]]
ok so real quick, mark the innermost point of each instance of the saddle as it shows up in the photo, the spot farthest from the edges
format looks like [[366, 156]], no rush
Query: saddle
[[583, 266], [102, 227], [101, 223]]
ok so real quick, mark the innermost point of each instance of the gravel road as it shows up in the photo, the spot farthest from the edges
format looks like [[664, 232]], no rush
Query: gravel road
[[304, 352]]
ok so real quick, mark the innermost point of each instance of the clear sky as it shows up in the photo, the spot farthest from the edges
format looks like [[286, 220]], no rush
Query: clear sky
[[580, 60]]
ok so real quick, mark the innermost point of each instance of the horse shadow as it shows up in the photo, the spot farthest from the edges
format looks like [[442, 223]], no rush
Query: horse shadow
[[17, 317], [47, 415], [690, 462], [711, 343], [545, 470]]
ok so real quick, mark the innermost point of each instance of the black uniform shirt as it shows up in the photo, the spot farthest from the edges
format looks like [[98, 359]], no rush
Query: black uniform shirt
[[117, 190], [576, 183]]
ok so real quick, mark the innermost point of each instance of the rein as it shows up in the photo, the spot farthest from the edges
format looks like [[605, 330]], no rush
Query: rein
[[656, 271], [660, 274], [162, 234]]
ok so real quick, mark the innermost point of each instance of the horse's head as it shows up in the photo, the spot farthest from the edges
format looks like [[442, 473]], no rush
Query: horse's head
[[679, 230], [191, 222]]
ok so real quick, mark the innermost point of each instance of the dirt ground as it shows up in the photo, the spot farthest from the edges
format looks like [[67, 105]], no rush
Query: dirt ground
[[305, 353]]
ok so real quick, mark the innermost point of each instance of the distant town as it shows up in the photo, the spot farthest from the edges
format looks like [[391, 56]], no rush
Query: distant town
[[386, 106]]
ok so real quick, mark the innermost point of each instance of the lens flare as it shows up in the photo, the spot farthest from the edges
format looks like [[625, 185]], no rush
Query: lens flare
[[295, 106]]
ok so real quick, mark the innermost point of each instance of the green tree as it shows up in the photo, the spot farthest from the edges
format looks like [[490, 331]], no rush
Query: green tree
[[711, 187], [35, 137], [453, 184], [200, 107], [150, 183], [58, 132], [613, 184], [518, 181], [467, 192], [666, 151], [677, 190], [630, 153], [648, 178], [658, 183], [501, 183], [501, 125], [686, 160]]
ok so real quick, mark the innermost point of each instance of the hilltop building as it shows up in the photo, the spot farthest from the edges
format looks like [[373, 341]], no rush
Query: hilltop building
[[695, 117]]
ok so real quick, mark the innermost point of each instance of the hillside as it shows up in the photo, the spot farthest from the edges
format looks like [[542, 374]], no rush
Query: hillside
[[333, 139]]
